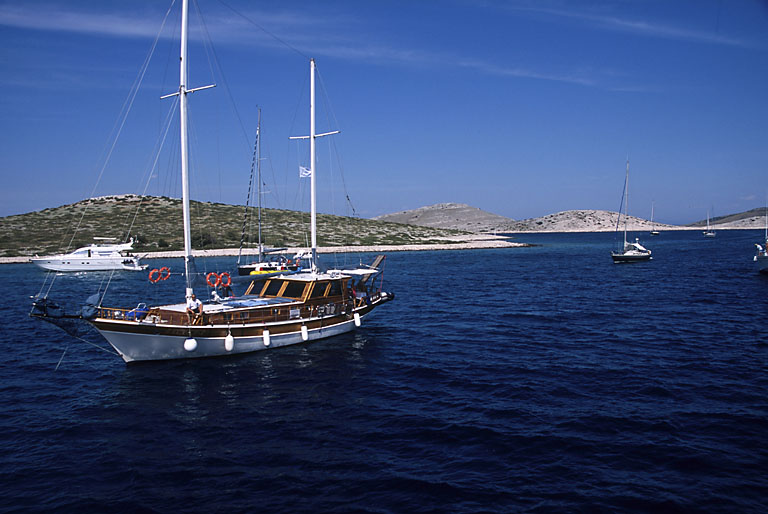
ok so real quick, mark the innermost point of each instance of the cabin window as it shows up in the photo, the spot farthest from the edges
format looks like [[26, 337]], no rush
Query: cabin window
[[319, 290], [335, 289], [273, 288], [294, 290]]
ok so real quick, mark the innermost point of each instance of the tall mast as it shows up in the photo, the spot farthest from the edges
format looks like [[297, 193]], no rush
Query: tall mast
[[182, 93], [626, 202], [184, 147], [312, 167], [258, 173], [313, 178]]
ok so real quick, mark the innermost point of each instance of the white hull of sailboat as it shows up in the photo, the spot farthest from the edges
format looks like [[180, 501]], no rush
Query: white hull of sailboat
[[630, 257], [143, 347], [762, 263]]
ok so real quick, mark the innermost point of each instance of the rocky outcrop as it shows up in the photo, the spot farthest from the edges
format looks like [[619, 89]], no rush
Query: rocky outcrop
[[464, 217], [588, 220], [456, 216]]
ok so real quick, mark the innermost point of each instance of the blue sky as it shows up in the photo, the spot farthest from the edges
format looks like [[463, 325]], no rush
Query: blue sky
[[521, 108]]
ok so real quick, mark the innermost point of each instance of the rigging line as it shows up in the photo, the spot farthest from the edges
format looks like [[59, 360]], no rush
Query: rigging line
[[159, 149], [109, 281], [275, 193], [621, 204], [302, 91], [118, 127], [95, 345], [246, 18], [331, 115], [248, 198], [220, 69], [210, 51], [61, 359], [127, 106], [329, 110], [52, 275]]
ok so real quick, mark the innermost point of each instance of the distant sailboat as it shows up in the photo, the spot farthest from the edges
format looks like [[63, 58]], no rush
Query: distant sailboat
[[761, 258], [270, 262], [654, 232], [709, 232], [630, 252]]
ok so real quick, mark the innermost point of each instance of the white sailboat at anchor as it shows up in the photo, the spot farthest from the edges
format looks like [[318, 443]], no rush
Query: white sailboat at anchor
[[654, 232], [270, 262], [629, 252], [761, 257], [709, 232], [279, 311]]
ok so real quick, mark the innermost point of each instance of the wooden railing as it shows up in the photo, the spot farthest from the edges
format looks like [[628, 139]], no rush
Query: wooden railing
[[265, 314]]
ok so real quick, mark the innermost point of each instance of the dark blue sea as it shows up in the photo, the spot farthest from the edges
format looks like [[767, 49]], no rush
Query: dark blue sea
[[542, 379]]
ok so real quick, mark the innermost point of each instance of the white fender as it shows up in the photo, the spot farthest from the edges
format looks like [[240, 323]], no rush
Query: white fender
[[266, 337], [358, 322], [304, 333], [190, 344], [229, 342]]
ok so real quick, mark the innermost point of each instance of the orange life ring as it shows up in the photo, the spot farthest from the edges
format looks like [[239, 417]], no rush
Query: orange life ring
[[221, 279], [153, 272], [165, 273], [208, 279]]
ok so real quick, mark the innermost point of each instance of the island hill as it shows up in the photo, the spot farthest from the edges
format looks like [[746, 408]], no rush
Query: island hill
[[457, 216], [218, 227], [217, 230]]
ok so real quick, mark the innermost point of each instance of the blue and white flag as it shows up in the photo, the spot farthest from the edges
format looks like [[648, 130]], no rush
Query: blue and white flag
[[304, 172]]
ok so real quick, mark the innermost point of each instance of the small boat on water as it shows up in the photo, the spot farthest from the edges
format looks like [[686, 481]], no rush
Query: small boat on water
[[281, 310], [761, 257], [632, 252], [269, 265], [629, 252], [709, 232], [270, 262], [94, 257], [654, 232]]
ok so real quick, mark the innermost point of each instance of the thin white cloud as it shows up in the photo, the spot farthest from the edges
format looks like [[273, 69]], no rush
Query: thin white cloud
[[53, 18], [295, 30], [495, 69], [638, 27]]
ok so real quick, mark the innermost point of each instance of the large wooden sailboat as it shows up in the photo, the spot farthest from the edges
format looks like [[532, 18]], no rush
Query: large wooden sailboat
[[279, 311]]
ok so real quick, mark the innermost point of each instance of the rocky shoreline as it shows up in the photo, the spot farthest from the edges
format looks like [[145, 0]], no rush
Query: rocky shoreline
[[464, 242], [468, 242]]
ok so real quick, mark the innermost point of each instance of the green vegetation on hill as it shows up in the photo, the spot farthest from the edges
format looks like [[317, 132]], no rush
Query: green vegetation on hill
[[155, 222]]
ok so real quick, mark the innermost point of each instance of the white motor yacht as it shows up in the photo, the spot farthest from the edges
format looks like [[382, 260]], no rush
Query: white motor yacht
[[94, 257]]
